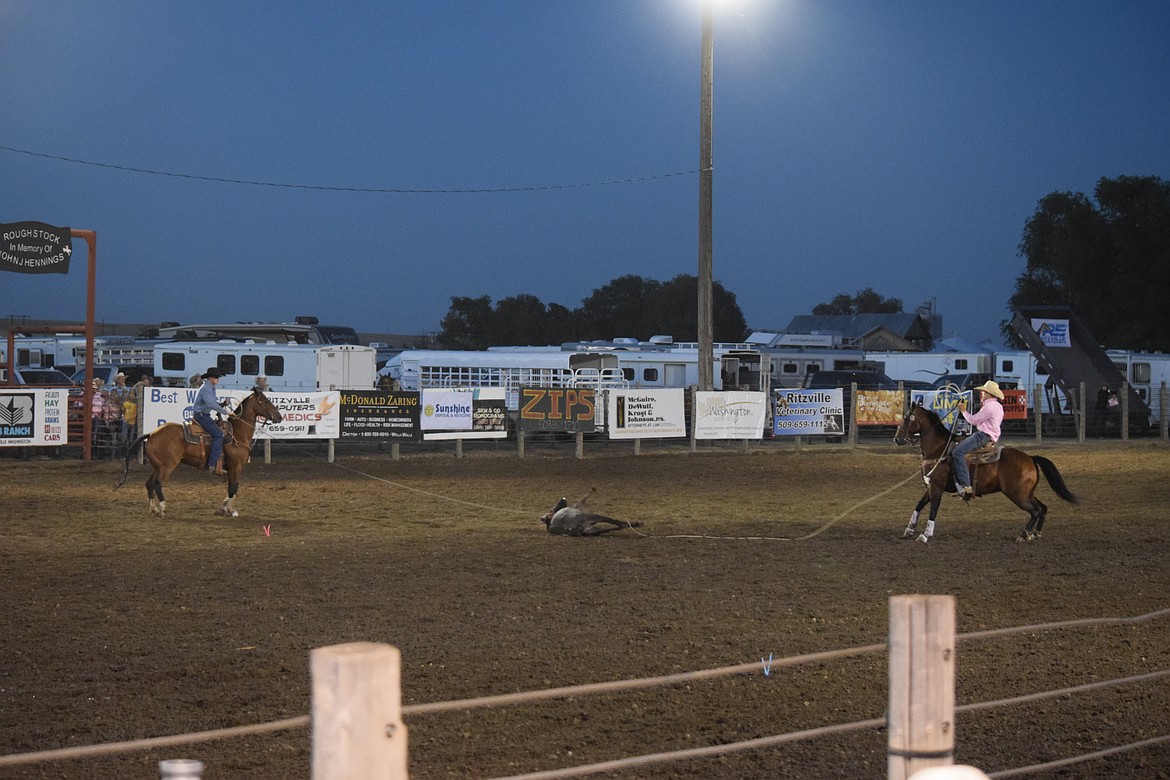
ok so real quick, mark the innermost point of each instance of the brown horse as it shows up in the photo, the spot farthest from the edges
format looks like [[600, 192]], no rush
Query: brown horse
[[1015, 474], [167, 446]]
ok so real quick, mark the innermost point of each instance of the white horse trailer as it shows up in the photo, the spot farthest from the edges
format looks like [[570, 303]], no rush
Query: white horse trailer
[[929, 366], [416, 369], [288, 367]]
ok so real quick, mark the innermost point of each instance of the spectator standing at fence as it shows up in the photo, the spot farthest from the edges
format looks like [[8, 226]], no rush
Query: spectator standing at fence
[[205, 404], [261, 385], [97, 419], [133, 405], [986, 425], [112, 424], [117, 395]]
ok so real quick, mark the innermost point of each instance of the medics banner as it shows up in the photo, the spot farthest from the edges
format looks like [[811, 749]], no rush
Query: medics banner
[[305, 415], [478, 413], [646, 414], [808, 413], [730, 415], [34, 417]]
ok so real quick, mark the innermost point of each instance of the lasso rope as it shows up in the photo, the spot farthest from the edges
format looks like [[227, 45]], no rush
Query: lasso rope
[[818, 531]]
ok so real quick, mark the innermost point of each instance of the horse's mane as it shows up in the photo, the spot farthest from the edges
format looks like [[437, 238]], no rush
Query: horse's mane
[[934, 420]]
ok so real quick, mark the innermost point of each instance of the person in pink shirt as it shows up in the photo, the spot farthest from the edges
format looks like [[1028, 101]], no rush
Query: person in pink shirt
[[986, 423]]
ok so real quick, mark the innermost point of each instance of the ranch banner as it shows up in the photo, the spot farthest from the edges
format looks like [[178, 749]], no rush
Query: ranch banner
[[567, 409], [380, 415], [464, 414], [809, 413], [34, 417], [646, 414], [879, 407], [35, 248], [306, 415], [730, 415]]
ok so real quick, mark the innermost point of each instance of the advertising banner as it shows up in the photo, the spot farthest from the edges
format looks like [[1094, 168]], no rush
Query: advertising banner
[[446, 410], [35, 248], [480, 414], [567, 409], [646, 414], [34, 417], [1015, 404], [730, 415], [945, 404], [380, 415], [879, 407], [306, 415], [809, 413], [1054, 333]]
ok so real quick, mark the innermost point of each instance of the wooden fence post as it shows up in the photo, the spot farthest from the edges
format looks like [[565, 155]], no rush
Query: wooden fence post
[[921, 731], [357, 713], [852, 415], [1125, 411], [1162, 410], [1038, 410]]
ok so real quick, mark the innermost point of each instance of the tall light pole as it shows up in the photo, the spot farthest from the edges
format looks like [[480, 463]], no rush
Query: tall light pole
[[706, 340]]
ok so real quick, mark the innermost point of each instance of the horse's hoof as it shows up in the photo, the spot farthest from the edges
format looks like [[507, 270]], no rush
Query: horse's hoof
[[235, 513], [908, 533], [923, 538]]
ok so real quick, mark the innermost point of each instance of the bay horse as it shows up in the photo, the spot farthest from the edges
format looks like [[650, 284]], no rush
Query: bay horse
[[167, 446], [1015, 474]]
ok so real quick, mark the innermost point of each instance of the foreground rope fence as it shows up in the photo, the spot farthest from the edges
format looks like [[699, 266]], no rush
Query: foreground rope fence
[[358, 729]]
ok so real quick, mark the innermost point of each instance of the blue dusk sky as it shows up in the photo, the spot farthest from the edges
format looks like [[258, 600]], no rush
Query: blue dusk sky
[[546, 147]]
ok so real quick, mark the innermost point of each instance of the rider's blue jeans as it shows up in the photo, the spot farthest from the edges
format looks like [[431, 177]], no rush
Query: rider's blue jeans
[[959, 462], [208, 424]]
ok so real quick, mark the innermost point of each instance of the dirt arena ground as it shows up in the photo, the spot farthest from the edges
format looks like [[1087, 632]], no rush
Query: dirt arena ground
[[118, 625]]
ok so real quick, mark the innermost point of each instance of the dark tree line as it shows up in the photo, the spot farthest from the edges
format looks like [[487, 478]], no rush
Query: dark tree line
[[865, 302], [1109, 261], [628, 306]]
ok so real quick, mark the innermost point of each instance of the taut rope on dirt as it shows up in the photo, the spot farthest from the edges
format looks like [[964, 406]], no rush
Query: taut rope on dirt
[[820, 530]]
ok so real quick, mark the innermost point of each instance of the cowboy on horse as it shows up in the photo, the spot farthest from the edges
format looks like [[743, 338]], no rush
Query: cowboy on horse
[[206, 403], [985, 424]]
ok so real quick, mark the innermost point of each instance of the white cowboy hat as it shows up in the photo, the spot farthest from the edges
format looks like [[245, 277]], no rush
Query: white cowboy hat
[[991, 388]]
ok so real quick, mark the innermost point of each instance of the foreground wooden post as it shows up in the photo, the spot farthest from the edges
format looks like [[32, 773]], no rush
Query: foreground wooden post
[[922, 684], [358, 732]]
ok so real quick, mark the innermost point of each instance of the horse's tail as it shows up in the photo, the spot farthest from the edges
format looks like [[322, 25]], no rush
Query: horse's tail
[[129, 454], [1055, 481]]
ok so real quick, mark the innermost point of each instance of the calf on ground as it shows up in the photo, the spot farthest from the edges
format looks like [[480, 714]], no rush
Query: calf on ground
[[575, 521]]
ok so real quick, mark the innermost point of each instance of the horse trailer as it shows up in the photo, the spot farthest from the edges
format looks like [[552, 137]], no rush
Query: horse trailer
[[288, 367], [417, 369]]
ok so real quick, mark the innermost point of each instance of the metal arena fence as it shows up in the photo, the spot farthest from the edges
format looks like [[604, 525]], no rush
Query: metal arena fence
[[358, 729]]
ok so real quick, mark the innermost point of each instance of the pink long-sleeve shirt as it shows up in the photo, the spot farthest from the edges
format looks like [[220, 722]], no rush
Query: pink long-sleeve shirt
[[988, 418]]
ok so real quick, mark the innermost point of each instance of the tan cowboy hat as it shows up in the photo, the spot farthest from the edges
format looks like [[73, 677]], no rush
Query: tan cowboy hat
[[991, 388]]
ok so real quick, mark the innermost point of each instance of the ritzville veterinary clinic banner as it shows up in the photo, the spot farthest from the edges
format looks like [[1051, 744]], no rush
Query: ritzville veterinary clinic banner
[[34, 417], [35, 248], [808, 413]]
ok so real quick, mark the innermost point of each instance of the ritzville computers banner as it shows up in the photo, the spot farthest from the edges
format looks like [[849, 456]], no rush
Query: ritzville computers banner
[[35, 248]]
